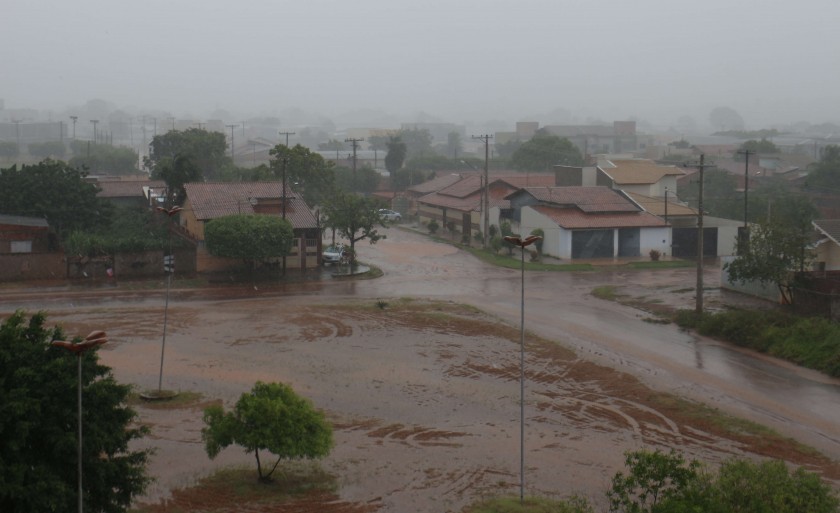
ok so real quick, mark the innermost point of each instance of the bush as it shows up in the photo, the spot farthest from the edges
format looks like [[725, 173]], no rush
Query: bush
[[433, 226]]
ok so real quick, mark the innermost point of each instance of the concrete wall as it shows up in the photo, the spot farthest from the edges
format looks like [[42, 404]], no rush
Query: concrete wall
[[769, 291]]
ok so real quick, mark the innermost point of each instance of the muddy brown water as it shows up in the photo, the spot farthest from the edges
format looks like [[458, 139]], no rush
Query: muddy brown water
[[427, 412]]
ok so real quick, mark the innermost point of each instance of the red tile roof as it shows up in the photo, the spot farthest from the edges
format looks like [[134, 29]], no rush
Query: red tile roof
[[572, 218], [210, 200], [435, 184]]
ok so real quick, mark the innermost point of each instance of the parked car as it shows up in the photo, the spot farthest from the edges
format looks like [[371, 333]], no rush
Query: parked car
[[332, 254], [389, 215]]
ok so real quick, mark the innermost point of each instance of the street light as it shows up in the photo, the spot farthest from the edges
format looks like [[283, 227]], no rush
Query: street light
[[95, 338], [169, 270], [522, 243]]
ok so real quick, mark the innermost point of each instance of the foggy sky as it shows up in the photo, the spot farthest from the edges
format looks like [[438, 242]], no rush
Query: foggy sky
[[459, 60]]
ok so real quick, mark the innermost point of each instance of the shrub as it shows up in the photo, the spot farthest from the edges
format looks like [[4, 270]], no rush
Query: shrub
[[433, 226]]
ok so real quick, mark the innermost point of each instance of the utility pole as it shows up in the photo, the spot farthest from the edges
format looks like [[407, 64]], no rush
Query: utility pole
[[17, 132], [287, 134], [699, 289], [94, 121], [201, 126], [355, 143], [231, 140], [745, 234], [285, 161], [74, 118], [485, 193]]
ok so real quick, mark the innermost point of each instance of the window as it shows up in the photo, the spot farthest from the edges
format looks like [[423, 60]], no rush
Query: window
[[21, 246]]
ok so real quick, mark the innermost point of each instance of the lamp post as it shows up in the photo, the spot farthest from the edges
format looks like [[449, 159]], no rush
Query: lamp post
[[170, 270], [95, 338], [522, 243]]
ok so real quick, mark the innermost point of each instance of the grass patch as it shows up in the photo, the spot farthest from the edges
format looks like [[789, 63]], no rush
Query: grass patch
[[606, 292], [238, 489], [661, 264], [509, 504], [515, 263]]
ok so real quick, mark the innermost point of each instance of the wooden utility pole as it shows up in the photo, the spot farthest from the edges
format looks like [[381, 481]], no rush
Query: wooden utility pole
[[744, 237], [699, 289], [287, 134], [355, 143], [485, 193]]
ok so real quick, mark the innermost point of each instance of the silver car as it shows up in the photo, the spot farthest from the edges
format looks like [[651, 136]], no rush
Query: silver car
[[390, 215], [332, 254]]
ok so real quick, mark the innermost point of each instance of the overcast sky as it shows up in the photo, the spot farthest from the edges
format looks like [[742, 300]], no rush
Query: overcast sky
[[459, 60]]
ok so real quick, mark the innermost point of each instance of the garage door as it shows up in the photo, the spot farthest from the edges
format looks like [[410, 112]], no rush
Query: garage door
[[592, 244], [684, 243]]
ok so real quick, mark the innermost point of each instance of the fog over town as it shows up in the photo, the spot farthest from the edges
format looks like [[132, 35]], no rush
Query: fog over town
[[380, 63]]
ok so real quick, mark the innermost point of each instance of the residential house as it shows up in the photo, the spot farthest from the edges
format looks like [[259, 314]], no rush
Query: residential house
[[641, 176], [208, 201], [28, 250], [828, 245], [458, 206], [588, 222]]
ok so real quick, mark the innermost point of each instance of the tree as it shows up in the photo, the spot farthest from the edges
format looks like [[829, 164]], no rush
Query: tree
[[762, 146], [355, 218], [725, 118], [454, 145], [543, 152], [720, 195], [306, 172], [9, 149], [272, 418], [378, 142], [207, 150], [55, 191], [38, 417], [825, 174], [774, 252], [395, 158], [249, 237], [652, 478], [331, 145], [667, 483], [366, 179], [418, 141], [103, 158], [47, 149], [178, 172], [506, 150]]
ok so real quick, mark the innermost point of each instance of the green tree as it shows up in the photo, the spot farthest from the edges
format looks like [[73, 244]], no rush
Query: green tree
[[774, 252], [207, 150], [55, 191], [543, 152], [725, 118], [177, 172], [273, 418], [331, 145], [720, 195], [355, 218], [378, 142], [103, 158], [652, 478], [506, 150], [365, 181], [9, 149], [38, 418], [249, 237], [47, 149], [306, 172], [418, 141], [395, 158], [825, 174], [762, 146]]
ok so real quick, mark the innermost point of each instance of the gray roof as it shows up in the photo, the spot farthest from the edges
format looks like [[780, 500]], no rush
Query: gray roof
[[830, 227], [23, 221]]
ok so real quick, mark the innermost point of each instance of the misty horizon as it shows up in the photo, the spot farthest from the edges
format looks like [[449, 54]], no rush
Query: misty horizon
[[472, 63]]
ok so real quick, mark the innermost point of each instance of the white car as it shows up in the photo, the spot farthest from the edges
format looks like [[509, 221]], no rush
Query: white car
[[332, 254], [390, 215]]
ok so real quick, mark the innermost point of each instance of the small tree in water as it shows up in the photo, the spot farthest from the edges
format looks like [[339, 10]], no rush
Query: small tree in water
[[272, 418]]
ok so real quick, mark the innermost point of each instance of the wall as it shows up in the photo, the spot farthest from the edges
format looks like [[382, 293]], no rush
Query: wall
[[32, 266], [655, 238], [769, 291]]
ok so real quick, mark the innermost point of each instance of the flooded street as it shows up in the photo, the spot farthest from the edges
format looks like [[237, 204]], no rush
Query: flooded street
[[425, 406]]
